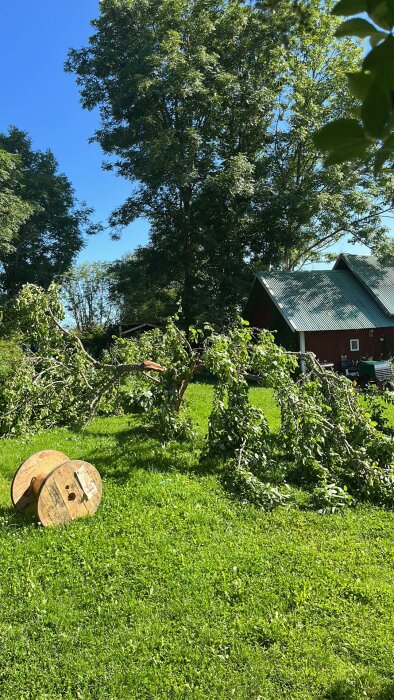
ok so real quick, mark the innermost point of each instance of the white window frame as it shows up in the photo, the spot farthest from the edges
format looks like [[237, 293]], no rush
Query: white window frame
[[356, 349]]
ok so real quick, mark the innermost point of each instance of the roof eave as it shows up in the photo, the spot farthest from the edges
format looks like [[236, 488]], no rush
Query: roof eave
[[279, 306]]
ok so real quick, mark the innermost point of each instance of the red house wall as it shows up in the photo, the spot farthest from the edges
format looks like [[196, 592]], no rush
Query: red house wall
[[261, 312], [331, 345]]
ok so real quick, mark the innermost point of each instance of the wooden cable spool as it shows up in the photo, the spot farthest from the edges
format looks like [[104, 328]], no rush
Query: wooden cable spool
[[56, 489]]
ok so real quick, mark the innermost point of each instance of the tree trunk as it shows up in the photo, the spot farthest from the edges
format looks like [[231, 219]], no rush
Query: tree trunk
[[188, 292]]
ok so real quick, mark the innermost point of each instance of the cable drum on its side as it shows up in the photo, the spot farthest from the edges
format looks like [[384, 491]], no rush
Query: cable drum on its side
[[56, 489]]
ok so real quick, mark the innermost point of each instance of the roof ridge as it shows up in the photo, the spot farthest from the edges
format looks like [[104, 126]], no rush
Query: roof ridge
[[300, 272], [377, 278]]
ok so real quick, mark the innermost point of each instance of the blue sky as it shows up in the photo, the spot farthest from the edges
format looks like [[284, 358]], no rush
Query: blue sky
[[40, 98]]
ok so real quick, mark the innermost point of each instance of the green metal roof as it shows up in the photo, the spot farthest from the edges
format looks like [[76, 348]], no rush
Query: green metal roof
[[375, 276], [324, 300]]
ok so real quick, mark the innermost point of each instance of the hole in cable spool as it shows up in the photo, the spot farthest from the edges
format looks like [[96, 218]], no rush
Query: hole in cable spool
[[72, 496]]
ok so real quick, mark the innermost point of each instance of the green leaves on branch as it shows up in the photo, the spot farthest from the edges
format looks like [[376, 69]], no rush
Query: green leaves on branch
[[380, 57], [370, 136], [381, 12], [327, 442], [385, 152], [360, 84], [58, 383], [14, 211], [375, 111]]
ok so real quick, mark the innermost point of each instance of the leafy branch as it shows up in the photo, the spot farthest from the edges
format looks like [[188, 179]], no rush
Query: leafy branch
[[370, 133]]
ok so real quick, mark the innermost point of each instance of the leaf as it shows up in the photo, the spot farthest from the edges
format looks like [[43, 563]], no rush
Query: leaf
[[381, 12], [375, 110], [347, 8], [360, 84], [376, 38], [357, 27], [380, 159], [345, 138], [347, 153], [384, 153], [381, 57], [341, 134]]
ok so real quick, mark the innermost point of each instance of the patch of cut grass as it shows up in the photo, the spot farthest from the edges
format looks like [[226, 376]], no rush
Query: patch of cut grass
[[173, 590], [200, 397]]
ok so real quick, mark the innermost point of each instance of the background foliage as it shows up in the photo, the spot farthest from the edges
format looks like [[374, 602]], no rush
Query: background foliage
[[86, 293], [209, 110], [49, 234]]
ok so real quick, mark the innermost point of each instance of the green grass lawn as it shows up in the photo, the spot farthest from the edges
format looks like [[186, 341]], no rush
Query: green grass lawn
[[174, 590]]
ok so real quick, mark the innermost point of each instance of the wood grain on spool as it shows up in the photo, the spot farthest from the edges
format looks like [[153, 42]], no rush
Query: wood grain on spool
[[40, 463], [70, 491]]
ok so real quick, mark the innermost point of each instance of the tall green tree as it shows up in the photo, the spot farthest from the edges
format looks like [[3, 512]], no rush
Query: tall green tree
[[301, 207], [208, 107], [14, 211], [185, 90], [49, 239]]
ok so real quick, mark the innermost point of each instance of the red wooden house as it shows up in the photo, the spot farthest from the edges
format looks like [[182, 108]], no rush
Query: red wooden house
[[344, 312]]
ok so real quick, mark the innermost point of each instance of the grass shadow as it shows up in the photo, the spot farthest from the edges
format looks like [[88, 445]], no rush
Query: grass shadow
[[140, 448], [345, 690], [10, 518], [386, 693]]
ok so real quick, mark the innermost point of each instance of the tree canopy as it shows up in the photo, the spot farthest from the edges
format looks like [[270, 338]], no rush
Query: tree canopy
[[14, 211], [48, 231], [142, 287], [209, 108], [184, 90], [86, 291]]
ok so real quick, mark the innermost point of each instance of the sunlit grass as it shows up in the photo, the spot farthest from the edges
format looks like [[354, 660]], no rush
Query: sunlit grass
[[174, 590]]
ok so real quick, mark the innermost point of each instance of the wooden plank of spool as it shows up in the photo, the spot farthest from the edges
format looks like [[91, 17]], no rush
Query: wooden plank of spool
[[39, 464], [70, 491]]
